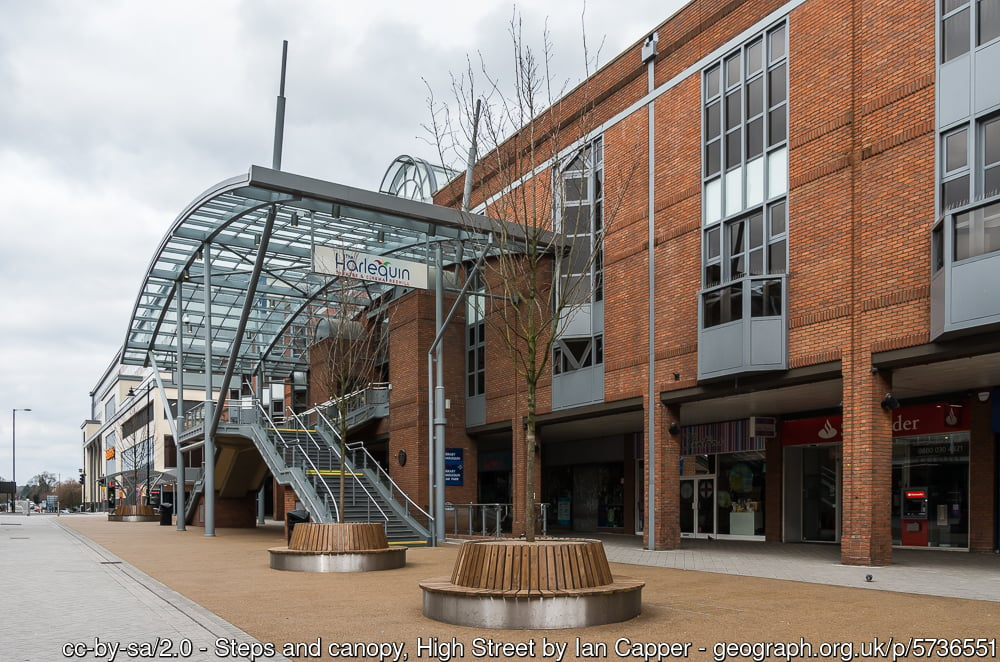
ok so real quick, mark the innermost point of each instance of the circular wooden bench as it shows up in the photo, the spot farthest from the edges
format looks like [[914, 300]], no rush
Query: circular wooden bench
[[547, 584], [337, 547], [133, 513]]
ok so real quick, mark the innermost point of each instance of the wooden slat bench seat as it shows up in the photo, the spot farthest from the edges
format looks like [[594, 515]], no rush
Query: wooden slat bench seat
[[515, 584], [547, 565], [338, 537], [338, 547]]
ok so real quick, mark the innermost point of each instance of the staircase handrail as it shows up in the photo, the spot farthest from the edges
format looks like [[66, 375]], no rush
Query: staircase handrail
[[344, 464], [275, 429], [383, 477]]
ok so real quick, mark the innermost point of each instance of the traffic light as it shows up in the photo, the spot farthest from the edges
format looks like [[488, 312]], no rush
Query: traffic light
[[81, 479]]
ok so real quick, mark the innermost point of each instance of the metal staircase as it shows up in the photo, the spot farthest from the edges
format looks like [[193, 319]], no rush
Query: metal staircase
[[369, 493], [304, 452]]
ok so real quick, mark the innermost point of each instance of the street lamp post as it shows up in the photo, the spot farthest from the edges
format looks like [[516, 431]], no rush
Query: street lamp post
[[13, 452]]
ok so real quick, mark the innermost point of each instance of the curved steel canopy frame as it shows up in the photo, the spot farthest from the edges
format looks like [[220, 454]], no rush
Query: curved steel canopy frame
[[227, 224], [415, 179]]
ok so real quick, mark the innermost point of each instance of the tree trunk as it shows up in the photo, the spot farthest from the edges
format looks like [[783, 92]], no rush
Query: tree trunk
[[529, 466]]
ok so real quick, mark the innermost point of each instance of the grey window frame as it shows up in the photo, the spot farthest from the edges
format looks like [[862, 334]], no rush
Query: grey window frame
[[587, 164], [722, 287], [475, 339]]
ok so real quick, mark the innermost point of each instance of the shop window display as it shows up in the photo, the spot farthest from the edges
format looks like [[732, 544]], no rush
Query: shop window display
[[740, 494]]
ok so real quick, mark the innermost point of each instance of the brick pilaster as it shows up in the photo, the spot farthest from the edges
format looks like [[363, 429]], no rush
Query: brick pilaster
[[666, 528], [866, 533]]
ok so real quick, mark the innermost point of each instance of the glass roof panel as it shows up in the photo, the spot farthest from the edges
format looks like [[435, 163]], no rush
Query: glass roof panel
[[225, 227]]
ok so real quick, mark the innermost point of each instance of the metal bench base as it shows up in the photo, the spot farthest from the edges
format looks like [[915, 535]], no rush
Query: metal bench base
[[542, 613], [357, 561]]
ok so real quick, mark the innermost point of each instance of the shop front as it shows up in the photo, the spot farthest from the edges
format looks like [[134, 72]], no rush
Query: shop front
[[811, 468], [930, 475], [722, 481], [586, 486]]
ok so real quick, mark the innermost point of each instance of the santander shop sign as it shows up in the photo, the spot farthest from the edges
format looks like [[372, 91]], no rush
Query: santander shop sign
[[915, 420]]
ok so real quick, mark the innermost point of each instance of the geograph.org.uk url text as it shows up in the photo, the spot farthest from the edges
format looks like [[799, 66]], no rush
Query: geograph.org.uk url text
[[909, 648]]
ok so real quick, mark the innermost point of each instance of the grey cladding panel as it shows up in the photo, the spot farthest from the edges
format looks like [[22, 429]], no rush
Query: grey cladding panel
[[974, 294], [767, 342], [720, 349], [954, 90], [987, 93]]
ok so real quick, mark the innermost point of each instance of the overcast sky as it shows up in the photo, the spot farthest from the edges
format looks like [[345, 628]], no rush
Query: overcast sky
[[115, 114]]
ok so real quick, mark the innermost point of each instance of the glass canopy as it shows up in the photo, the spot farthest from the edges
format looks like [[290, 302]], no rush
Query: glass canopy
[[255, 236]]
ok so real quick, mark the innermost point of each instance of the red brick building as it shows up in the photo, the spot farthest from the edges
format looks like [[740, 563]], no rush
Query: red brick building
[[788, 324], [816, 184]]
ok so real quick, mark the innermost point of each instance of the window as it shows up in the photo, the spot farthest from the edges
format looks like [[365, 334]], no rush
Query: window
[[970, 163], [475, 325], [745, 117], [745, 248], [955, 175], [957, 20], [745, 174], [955, 29], [581, 220], [991, 157], [988, 23], [977, 231], [571, 354]]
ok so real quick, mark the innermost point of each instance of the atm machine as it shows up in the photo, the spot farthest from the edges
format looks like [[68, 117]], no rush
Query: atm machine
[[914, 516]]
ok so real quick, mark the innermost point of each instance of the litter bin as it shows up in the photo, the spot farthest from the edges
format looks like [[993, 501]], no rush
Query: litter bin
[[293, 517], [166, 513]]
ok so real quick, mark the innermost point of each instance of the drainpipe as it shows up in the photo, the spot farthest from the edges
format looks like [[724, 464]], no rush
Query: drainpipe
[[649, 57]]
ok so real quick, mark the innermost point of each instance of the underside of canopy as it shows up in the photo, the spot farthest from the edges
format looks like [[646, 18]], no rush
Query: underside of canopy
[[264, 324]]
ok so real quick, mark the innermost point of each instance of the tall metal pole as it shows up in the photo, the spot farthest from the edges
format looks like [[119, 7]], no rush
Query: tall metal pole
[[13, 454], [150, 430], [180, 485], [439, 416], [209, 476], [279, 117], [473, 147]]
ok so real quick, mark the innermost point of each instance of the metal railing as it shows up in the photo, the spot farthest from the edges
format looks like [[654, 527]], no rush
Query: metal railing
[[386, 481], [346, 467], [356, 405], [490, 519], [293, 455]]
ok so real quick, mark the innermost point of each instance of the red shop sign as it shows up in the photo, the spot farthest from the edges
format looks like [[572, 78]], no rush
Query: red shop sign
[[938, 418], [819, 430]]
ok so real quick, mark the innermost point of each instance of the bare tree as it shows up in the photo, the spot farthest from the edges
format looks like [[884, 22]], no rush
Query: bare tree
[[540, 149], [352, 356]]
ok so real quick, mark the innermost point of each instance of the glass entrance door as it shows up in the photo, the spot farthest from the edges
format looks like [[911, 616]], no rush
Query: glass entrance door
[[697, 507], [820, 494]]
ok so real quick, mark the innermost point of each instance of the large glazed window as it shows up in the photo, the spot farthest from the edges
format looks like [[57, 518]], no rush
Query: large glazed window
[[745, 179], [581, 221], [475, 339]]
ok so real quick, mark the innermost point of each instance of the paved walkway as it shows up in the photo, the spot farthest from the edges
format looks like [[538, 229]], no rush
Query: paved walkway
[[54, 581], [928, 572], [67, 598]]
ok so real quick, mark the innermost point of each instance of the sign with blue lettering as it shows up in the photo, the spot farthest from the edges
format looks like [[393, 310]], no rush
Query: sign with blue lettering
[[454, 467]]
